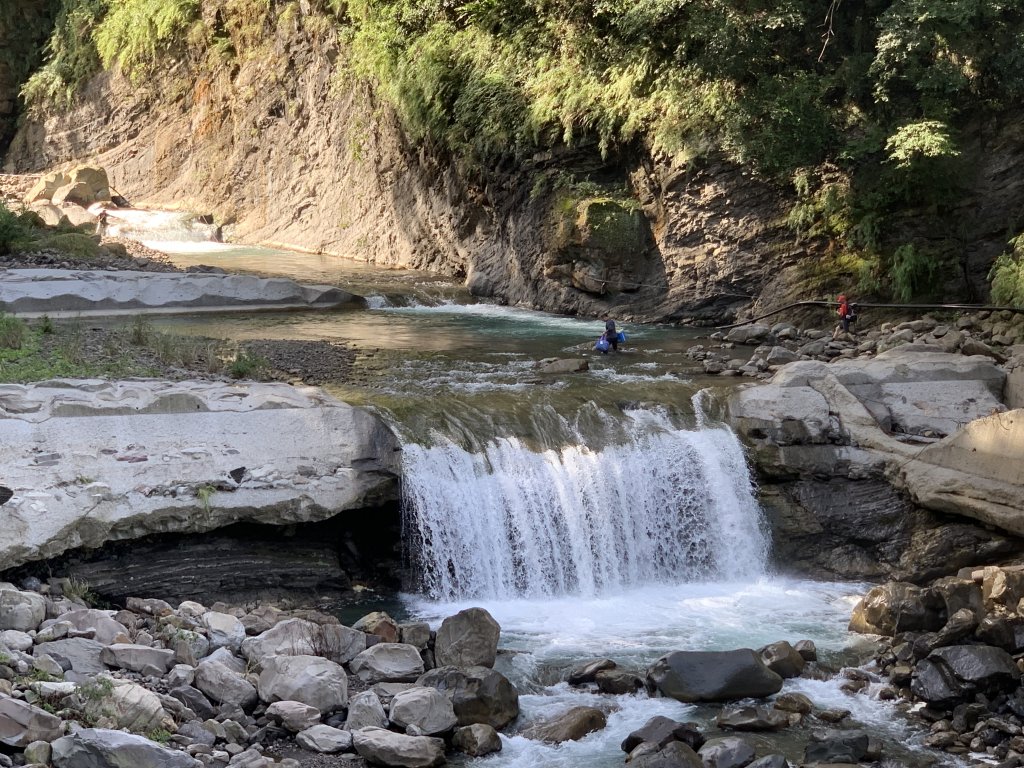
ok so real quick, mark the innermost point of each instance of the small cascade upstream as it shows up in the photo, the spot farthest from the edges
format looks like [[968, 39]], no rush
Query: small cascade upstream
[[666, 506]]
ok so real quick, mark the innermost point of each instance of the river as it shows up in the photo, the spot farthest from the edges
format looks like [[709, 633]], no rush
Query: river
[[594, 514]]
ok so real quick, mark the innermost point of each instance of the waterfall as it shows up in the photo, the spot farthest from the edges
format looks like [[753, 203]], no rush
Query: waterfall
[[665, 506]]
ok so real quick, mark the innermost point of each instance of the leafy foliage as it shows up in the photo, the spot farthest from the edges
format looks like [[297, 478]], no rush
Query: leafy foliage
[[71, 56], [135, 32], [1007, 275]]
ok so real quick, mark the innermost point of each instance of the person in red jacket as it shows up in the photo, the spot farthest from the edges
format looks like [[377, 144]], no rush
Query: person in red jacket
[[846, 316]]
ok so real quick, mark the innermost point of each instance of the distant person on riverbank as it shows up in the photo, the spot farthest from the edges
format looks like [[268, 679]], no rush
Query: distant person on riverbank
[[847, 315], [101, 224]]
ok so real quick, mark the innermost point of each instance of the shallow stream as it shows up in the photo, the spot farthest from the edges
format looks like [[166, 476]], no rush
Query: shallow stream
[[593, 514]]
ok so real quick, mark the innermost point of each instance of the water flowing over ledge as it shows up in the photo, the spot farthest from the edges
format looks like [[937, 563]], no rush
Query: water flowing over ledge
[[666, 506]]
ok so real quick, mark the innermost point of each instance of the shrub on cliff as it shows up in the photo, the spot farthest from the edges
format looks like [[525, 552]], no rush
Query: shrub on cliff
[[1007, 275], [15, 229]]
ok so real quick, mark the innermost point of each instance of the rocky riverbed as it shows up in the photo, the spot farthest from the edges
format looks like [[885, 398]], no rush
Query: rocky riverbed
[[955, 651], [255, 686]]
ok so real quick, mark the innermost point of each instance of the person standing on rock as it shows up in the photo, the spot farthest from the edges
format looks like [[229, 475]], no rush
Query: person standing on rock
[[101, 224], [846, 316]]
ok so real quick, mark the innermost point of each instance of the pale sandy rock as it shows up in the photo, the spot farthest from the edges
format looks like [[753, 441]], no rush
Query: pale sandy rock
[[977, 472], [128, 707], [429, 710], [467, 639], [16, 640], [293, 715], [96, 293], [365, 710], [20, 610], [382, 747], [325, 739], [138, 658], [394, 662], [224, 685], [144, 470], [99, 747], [224, 630], [21, 723], [311, 680], [298, 637]]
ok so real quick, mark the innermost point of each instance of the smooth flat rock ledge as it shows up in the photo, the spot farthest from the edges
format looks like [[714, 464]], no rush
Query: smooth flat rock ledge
[[92, 461], [93, 293]]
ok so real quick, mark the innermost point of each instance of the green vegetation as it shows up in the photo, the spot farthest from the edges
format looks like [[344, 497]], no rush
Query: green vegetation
[[79, 589], [1007, 275], [63, 350], [134, 33], [861, 109]]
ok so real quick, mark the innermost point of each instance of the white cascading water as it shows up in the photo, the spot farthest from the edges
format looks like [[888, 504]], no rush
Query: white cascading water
[[667, 506]]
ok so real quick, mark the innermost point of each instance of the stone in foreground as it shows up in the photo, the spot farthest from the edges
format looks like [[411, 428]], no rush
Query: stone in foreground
[[691, 676], [467, 639], [382, 747], [100, 748], [568, 726], [21, 723]]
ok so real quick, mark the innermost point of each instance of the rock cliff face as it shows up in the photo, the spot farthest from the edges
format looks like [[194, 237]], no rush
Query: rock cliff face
[[23, 29], [291, 151]]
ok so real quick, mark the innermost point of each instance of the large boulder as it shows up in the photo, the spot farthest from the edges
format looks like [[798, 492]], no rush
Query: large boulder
[[838, 747], [101, 748], [476, 740], [382, 747], [293, 715], [84, 655], [225, 685], [101, 624], [298, 637], [676, 754], [429, 710], [692, 676], [388, 662], [83, 186], [572, 725], [311, 680], [467, 639], [661, 730], [958, 672], [138, 658], [895, 607], [324, 739], [129, 707], [727, 752], [478, 694], [365, 710], [305, 456], [224, 630], [21, 723], [21, 610]]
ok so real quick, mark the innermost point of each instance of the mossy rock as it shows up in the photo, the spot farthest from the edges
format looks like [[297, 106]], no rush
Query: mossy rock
[[74, 245], [609, 229]]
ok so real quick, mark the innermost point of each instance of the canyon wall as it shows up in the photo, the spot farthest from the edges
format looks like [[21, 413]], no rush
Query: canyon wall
[[289, 148]]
